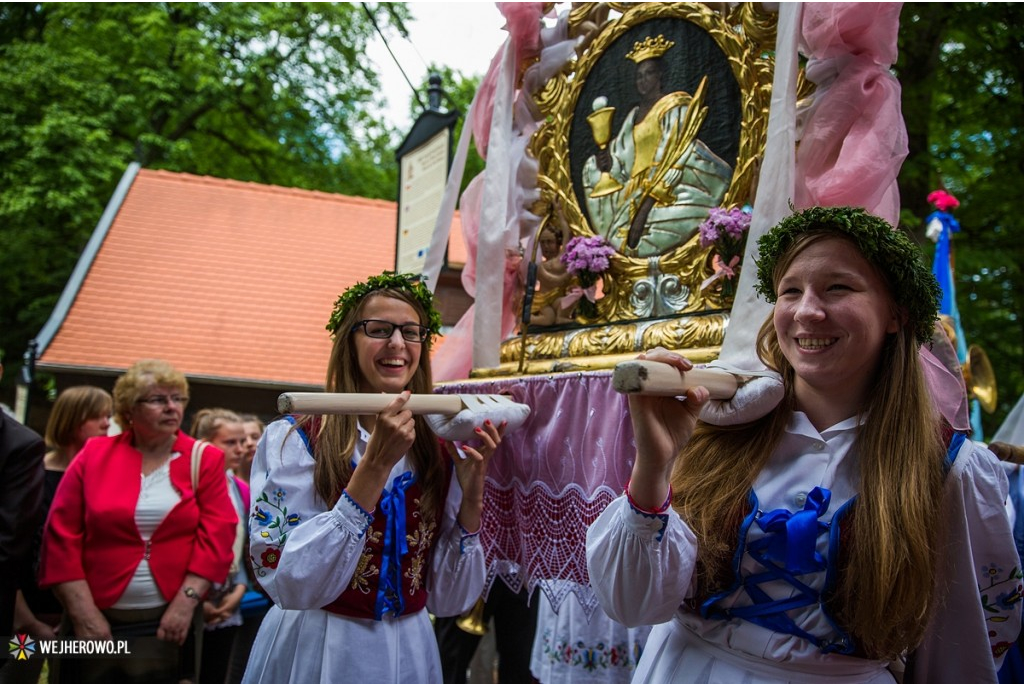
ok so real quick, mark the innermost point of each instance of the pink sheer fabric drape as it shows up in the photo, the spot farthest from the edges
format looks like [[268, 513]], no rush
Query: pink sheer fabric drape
[[853, 139], [945, 379], [552, 48], [454, 359], [522, 21]]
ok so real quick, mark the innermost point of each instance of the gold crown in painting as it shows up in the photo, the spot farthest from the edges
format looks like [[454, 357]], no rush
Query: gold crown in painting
[[649, 48]]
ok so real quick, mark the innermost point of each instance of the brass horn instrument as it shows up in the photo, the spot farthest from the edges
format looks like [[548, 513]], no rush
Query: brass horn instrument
[[979, 378], [473, 620]]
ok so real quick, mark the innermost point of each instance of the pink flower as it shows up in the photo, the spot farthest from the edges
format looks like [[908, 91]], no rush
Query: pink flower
[[942, 200]]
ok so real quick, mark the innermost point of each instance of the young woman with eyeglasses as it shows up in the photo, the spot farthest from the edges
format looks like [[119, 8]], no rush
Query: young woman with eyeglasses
[[360, 525], [132, 543]]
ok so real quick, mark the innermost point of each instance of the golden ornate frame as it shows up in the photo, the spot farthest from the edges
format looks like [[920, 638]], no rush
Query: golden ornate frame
[[655, 300]]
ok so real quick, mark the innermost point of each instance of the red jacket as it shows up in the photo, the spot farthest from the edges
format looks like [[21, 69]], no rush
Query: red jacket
[[91, 534]]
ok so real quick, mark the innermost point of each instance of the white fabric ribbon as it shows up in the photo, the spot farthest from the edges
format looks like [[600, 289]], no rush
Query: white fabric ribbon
[[756, 397], [490, 248], [774, 192]]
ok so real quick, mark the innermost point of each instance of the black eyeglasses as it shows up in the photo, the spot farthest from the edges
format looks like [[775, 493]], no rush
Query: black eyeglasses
[[377, 328]]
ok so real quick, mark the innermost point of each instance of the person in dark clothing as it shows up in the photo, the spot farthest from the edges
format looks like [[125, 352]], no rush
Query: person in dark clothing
[[21, 490], [515, 619]]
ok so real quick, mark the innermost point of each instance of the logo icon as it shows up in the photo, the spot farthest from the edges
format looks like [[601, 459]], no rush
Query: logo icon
[[22, 647]]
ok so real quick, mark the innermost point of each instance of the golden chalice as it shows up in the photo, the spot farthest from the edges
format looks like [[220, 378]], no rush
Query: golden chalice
[[600, 121]]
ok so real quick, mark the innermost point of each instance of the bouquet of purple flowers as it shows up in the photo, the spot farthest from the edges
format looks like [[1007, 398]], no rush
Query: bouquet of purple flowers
[[587, 258], [725, 230]]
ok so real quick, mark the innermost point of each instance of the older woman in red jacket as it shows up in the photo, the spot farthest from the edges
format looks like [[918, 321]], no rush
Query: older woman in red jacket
[[136, 536]]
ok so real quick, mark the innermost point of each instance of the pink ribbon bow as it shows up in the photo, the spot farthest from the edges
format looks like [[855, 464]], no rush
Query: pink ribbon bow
[[722, 270], [575, 293]]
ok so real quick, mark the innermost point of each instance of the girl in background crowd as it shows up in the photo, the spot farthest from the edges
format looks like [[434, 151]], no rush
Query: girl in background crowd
[[222, 609], [253, 432]]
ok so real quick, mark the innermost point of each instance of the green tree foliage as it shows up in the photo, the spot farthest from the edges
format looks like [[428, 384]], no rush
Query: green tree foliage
[[276, 93], [961, 66]]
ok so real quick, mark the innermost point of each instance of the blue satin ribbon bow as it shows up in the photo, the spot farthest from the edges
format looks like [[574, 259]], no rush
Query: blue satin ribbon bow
[[396, 546], [791, 538]]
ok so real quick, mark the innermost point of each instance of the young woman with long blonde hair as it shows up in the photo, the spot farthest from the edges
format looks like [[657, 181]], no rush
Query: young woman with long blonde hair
[[843, 532]]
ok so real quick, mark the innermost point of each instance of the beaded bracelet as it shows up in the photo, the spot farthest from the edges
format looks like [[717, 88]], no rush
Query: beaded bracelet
[[660, 510]]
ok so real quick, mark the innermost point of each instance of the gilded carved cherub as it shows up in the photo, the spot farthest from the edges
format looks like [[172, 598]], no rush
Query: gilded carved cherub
[[552, 276]]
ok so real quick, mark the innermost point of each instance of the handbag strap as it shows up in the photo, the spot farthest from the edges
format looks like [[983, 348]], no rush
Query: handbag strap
[[197, 459]]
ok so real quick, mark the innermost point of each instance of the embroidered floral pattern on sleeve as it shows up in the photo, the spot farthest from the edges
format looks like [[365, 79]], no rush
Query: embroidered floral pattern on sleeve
[[590, 657], [270, 513], [998, 598], [662, 519]]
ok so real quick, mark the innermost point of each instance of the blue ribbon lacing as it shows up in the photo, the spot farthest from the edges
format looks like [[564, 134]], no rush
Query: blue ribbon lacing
[[787, 550], [396, 546]]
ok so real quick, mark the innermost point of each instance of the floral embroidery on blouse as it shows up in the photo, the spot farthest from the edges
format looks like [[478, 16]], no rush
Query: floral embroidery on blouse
[[270, 557], [590, 657], [271, 514], [365, 570], [1004, 590]]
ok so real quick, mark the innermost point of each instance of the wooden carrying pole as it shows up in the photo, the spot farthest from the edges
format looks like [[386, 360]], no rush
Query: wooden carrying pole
[[641, 377], [364, 403]]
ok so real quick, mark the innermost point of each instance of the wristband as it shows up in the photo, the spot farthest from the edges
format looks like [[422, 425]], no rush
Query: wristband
[[660, 510]]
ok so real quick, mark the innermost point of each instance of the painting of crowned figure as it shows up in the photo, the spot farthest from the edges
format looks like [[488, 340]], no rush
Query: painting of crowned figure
[[662, 111], [656, 127]]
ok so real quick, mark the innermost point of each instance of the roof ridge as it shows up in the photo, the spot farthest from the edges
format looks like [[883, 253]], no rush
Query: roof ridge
[[265, 188]]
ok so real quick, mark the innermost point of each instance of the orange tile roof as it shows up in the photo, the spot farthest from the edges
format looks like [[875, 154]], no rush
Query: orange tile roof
[[227, 280]]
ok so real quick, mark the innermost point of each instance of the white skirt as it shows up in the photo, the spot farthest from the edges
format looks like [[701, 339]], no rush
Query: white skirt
[[570, 648], [675, 654], [315, 646]]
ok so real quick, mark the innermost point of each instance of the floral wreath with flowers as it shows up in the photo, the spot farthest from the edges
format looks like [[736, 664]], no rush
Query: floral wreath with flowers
[[389, 280]]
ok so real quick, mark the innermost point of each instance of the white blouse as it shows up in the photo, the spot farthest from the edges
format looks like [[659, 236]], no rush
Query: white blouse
[[641, 567], [305, 556], [157, 497]]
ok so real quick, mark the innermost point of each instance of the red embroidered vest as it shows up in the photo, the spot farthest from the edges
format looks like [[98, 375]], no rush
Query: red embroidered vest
[[391, 577]]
